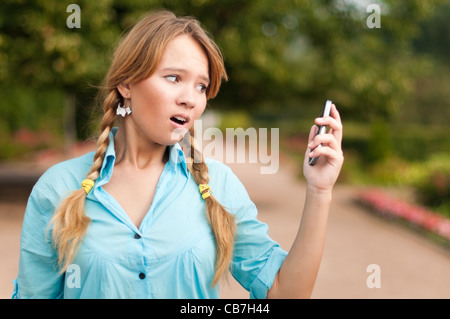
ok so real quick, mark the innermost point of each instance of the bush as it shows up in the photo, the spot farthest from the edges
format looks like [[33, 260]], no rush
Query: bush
[[433, 188], [379, 145]]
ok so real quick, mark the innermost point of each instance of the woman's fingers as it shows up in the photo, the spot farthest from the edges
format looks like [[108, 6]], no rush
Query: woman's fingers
[[333, 122], [312, 133], [325, 140], [325, 151], [328, 144]]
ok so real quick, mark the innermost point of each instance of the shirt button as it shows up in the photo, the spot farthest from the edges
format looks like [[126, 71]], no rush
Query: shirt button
[[137, 236], [141, 275]]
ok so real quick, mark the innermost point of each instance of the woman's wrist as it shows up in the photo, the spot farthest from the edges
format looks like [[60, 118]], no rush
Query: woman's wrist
[[320, 193]]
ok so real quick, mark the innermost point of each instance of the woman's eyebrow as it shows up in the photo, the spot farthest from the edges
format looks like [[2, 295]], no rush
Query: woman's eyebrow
[[181, 70]]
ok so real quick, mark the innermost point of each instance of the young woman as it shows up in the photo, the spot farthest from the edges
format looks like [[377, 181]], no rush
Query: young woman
[[138, 218]]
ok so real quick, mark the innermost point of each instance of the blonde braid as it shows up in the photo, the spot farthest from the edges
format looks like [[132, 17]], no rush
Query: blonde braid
[[106, 126], [221, 221], [70, 221]]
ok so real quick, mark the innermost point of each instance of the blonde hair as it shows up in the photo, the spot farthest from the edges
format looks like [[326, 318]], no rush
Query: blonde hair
[[135, 59]]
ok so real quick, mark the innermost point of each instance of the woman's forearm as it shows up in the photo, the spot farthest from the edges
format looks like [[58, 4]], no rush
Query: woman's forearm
[[298, 272]]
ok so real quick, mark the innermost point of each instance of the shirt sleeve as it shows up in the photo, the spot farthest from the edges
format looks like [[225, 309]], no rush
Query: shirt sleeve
[[38, 275], [257, 258]]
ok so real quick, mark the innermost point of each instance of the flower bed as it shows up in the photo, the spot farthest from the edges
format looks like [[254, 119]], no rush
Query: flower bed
[[420, 216]]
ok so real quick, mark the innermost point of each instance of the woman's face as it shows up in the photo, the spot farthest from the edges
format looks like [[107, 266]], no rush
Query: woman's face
[[165, 105]]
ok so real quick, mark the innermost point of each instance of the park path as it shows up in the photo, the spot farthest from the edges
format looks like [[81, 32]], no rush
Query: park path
[[411, 266]]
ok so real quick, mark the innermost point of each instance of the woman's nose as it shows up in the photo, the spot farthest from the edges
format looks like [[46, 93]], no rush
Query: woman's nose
[[187, 97]]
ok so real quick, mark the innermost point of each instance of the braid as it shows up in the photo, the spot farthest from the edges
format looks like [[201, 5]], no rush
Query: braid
[[103, 140], [70, 221], [221, 221]]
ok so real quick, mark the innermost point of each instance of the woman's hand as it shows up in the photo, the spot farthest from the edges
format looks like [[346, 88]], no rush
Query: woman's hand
[[324, 174]]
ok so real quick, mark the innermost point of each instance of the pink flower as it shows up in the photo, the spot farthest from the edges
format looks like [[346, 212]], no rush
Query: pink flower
[[418, 215]]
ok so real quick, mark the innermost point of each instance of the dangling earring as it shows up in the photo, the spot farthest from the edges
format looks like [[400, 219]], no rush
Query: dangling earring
[[123, 111]]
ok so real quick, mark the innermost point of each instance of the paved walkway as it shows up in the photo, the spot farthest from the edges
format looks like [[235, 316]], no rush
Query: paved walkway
[[411, 265]]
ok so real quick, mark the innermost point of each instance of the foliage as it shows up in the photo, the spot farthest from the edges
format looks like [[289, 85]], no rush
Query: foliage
[[283, 52], [433, 188], [41, 51], [435, 33], [429, 180]]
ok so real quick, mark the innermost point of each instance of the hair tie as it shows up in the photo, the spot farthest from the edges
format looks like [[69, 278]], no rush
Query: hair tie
[[203, 187], [87, 185]]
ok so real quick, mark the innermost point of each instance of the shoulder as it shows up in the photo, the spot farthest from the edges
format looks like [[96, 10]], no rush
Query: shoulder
[[68, 172], [221, 174], [217, 169], [227, 187], [59, 180]]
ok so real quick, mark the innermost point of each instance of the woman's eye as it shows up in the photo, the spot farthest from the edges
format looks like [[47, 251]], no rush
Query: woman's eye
[[172, 78], [202, 88]]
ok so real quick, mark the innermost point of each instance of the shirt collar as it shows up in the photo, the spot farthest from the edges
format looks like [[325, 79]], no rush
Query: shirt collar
[[177, 158], [110, 157]]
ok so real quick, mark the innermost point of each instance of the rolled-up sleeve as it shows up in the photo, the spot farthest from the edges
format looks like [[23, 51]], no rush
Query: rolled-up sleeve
[[257, 258], [38, 275]]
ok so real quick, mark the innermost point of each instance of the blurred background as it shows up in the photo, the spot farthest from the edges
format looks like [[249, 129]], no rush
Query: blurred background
[[284, 59]]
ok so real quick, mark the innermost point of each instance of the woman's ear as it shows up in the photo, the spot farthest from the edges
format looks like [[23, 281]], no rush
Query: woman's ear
[[124, 90]]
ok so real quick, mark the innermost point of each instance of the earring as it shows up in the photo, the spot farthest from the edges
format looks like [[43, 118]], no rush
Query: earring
[[123, 111]]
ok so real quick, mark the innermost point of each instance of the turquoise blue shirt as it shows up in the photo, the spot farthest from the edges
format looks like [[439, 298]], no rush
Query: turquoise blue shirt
[[171, 254]]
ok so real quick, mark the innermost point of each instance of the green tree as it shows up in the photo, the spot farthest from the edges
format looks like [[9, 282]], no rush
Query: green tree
[[284, 57], [41, 54], [283, 52]]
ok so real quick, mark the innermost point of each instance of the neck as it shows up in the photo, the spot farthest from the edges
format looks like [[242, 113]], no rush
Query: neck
[[132, 149]]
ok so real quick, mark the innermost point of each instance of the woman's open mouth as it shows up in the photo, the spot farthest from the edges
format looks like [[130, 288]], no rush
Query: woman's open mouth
[[179, 120]]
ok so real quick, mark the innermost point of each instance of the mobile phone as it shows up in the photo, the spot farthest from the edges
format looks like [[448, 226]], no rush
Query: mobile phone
[[322, 129]]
